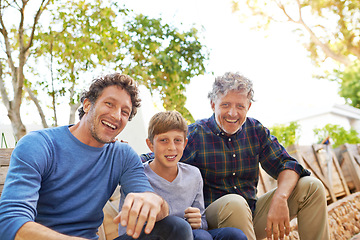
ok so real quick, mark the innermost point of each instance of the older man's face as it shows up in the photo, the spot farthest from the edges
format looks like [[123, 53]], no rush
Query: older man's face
[[230, 111]]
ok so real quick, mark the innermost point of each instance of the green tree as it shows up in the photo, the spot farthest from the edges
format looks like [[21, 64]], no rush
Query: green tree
[[287, 134], [164, 59], [81, 37], [350, 84], [338, 135], [16, 39], [96, 35], [328, 29]]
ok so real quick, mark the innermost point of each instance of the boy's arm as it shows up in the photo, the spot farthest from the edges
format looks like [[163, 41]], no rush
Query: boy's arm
[[199, 200], [193, 217], [33, 230]]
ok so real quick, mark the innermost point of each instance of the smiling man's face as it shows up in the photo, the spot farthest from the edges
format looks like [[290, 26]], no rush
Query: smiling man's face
[[109, 115], [230, 111]]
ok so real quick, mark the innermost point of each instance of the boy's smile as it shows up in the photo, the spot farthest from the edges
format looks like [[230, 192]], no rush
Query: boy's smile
[[168, 148]]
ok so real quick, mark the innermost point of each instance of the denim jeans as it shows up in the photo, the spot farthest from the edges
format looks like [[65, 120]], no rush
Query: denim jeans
[[227, 233], [170, 228]]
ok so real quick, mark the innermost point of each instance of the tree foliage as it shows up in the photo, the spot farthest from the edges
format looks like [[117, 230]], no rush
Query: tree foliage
[[16, 40], [81, 37], [338, 135], [328, 29], [287, 134], [95, 35], [164, 59], [350, 84], [84, 36]]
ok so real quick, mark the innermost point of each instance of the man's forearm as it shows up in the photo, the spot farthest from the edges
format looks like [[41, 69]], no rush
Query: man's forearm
[[33, 230], [287, 181]]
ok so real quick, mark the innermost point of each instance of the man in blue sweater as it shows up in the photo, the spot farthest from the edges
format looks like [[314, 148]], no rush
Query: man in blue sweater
[[60, 178]]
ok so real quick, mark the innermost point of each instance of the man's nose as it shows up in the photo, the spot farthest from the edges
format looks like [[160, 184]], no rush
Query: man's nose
[[232, 112], [116, 114]]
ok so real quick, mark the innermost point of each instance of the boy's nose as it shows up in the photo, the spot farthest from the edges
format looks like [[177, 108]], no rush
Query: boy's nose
[[171, 146]]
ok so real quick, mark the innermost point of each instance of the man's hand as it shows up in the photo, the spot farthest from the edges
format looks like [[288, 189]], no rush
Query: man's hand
[[193, 217], [139, 208], [278, 222]]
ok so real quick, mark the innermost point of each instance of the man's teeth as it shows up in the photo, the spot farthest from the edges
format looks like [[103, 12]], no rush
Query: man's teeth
[[231, 121], [109, 124]]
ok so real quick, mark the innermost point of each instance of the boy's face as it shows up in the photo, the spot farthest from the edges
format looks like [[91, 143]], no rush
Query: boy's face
[[168, 148]]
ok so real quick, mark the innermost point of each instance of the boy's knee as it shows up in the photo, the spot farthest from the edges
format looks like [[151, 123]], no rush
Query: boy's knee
[[201, 234], [173, 227]]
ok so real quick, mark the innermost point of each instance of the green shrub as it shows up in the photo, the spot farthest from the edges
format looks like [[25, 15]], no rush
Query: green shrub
[[338, 135], [287, 134]]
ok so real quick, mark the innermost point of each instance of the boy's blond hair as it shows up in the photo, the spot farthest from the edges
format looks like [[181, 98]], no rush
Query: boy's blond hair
[[163, 122]]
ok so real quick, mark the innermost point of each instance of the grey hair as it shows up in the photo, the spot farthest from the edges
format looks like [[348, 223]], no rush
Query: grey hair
[[231, 82]]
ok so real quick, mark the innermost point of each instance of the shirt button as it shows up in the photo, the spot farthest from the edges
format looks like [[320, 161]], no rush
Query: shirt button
[[235, 187], [217, 134], [222, 133], [233, 174], [234, 155], [229, 139]]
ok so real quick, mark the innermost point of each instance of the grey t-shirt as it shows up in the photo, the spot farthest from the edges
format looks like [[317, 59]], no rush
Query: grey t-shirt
[[185, 191]]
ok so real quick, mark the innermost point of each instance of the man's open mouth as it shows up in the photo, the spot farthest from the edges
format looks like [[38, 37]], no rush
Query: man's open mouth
[[231, 121], [113, 127]]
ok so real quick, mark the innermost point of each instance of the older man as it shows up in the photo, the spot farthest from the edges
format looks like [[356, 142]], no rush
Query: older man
[[228, 147]]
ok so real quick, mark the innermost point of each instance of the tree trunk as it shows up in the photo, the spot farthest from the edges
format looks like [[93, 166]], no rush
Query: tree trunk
[[18, 127], [73, 108]]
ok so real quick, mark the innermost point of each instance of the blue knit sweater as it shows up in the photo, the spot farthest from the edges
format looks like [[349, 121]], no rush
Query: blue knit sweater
[[56, 180]]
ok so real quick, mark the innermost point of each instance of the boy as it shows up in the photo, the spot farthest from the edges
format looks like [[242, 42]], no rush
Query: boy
[[178, 183]]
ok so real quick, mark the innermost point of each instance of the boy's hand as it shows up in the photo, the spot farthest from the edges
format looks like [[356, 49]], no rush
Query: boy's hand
[[193, 217], [141, 208]]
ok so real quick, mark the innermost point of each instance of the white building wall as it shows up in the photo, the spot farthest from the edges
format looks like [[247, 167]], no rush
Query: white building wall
[[308, 125]]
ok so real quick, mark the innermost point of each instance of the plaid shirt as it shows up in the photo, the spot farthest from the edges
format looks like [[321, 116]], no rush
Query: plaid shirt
[[231, 164]]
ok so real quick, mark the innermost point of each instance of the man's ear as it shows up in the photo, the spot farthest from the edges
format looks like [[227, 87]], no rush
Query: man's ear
[[249, 105], [212, 105], [185, 142], [150, 145], [86, 105]]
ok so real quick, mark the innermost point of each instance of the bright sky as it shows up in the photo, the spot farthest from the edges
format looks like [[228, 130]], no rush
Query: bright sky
[[281, 72], [278, 65]]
